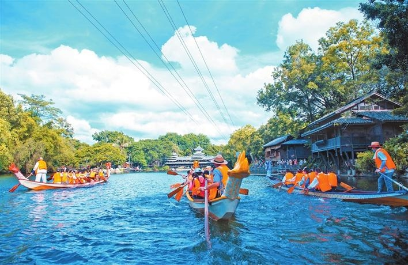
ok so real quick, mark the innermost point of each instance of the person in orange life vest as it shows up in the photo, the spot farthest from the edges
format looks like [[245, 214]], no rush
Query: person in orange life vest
[[57, 177], [333, 179], [198, 181], [220, 175], [312, 175], [40, 169], [208, 175], [314, 184], [299, 177], [384, 164], [289, 178]]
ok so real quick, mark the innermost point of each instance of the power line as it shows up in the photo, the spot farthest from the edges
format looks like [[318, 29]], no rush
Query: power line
[[139, 66], [202, 56], [178, 77], [190, 57]]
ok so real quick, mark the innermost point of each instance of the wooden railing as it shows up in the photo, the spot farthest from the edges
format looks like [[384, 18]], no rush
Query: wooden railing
[[359, 143]]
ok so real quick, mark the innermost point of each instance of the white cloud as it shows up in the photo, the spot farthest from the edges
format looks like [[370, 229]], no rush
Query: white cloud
[[99, 93], [220, 59], [83, 130], [310, 25]]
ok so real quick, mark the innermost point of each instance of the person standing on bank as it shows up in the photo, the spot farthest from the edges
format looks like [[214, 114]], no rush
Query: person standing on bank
[[40, 169], [385, 166], [268, 167]]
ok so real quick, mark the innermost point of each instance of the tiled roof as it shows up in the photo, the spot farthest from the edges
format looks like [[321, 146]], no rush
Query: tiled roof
[[279, 140], [349, 106], [296, 142], [339, 121], [382, 116]]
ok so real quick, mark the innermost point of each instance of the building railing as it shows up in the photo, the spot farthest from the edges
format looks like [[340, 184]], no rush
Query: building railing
[[344, 143]]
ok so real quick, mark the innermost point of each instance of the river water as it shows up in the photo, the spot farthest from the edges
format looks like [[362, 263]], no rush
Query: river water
[[130, 220]]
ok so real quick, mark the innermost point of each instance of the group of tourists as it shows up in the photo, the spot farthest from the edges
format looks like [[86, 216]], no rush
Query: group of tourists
[[327, 181], [216, 177], [66, 176], [314, 179]]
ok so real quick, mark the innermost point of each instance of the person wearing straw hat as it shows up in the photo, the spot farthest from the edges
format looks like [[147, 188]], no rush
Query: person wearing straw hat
[[220, 174], [385, 166]]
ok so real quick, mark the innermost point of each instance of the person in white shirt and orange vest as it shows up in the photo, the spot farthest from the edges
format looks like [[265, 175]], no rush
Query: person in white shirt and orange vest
[[40, 169], [385, 166]]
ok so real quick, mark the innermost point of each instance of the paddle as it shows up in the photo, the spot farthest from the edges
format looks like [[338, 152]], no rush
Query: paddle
[[346, 187], [14, 187], [396, 182], [243, 191], [290, 190], [179, 194], [277, 185], [180, 188], [206, 224]]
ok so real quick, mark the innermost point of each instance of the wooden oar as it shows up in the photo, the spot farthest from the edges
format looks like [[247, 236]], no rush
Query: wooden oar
[[290, 190], [14, 187], [243, 191], [346, 187], [171, 194], [179, 195], [170, 172], [277, 185], [206, 224]]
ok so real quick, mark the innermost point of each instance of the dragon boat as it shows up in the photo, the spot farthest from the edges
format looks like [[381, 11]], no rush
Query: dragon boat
[[395, 198], [34, 185], [224, 207]]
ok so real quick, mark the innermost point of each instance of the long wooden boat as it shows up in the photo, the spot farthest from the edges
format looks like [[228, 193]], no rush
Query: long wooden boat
[[395, 198], [225, 206], [34, 185]]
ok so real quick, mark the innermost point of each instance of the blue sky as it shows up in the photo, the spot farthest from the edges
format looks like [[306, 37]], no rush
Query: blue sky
[[134, 75]]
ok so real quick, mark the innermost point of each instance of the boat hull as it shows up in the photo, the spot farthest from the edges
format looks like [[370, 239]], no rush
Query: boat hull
[[33, 185], [396, 198], [221, 208]]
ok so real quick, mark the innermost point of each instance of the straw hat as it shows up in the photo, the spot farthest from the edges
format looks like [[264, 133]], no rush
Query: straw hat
[[374, 145], [219, 160]]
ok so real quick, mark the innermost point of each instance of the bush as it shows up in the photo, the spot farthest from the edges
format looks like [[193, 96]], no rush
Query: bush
[[365, 162]]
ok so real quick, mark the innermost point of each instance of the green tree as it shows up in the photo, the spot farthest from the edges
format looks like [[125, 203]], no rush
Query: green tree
[[294, 89], [279, 125], [243, 139], [391, 17], [346, 55], [40, 108]]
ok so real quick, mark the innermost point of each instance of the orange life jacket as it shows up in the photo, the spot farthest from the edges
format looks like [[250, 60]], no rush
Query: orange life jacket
[[299, 176], [42, 164], [324, 184], [57, 177], [332, 179], [198, 182], [312, 176], [288, 177], [389, 164], [224, 171]]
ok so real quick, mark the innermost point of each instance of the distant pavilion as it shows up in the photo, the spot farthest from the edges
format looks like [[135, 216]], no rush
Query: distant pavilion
[[175, 161]]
